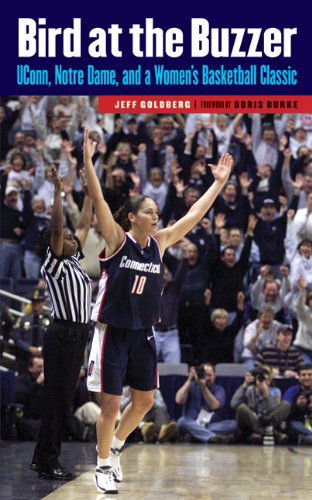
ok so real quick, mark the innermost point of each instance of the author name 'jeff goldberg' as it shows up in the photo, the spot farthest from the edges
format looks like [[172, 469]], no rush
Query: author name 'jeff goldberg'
[[252, 75]]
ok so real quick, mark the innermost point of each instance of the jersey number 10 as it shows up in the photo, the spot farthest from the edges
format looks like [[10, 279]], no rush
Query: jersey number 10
[[139, 284]]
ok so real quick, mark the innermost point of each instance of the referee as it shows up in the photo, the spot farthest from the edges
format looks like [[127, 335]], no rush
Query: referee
[[69, 288]]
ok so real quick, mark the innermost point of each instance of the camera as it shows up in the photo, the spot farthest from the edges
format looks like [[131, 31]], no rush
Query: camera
[[308, 395], [200, 372], [258, 374]]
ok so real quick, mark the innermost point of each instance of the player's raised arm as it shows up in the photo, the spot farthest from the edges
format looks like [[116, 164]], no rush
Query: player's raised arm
[[112, 233], [174, 233]]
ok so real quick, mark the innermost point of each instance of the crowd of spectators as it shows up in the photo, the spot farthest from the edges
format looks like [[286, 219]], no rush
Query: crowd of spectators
[[238, 287]]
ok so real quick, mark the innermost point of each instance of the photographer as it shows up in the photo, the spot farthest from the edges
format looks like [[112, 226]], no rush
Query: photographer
[[203, 401], [299, 397], [258, 405]]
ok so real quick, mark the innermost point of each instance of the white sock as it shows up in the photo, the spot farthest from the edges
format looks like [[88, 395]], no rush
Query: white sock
[[116, 443], [103, 462]]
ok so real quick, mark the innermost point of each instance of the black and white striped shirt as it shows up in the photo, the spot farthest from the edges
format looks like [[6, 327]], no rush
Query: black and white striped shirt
[[69, 287]]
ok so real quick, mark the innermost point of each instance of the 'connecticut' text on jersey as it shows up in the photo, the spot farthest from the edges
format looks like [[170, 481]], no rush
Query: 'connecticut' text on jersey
[[130, 285]]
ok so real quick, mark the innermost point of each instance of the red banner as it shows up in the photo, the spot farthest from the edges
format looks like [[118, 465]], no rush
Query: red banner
[[205, 104]]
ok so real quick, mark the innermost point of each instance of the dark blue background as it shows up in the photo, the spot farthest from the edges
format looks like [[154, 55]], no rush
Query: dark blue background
[[166, 14]]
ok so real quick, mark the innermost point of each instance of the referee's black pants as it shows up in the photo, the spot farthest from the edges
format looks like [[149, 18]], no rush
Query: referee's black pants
[[63, 351]]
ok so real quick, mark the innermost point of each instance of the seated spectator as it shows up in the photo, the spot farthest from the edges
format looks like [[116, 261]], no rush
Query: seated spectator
[[299, 397], [6, 321], [85, 409], [28, 335], [203, 401], [268, 292], [218, 340], [257, 334], [166, 331], [155, 425], [258, 405], [30, 393], [284, 358], [304, 314]]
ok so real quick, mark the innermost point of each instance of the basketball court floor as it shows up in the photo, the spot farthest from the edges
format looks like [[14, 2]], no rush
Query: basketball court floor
[[172, 471]]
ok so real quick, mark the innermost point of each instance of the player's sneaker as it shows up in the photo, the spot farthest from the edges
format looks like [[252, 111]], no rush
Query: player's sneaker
[[115, 461], [104, 480]]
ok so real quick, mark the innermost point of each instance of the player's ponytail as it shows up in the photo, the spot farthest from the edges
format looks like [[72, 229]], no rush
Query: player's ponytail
[[121, 218], [132, 205]]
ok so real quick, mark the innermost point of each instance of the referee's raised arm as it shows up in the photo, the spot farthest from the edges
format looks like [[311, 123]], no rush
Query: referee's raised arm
[[57, 216], [84, 220]]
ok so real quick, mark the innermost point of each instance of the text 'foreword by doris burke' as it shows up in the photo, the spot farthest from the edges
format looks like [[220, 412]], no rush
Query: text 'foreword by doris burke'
[[36, 38]]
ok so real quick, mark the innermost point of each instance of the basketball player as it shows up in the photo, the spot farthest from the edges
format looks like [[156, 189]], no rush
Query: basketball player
[[127, 305]]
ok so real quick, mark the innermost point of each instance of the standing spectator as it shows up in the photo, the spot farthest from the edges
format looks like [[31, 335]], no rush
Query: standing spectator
[[11, 232], [203, 401], [35, 220], [218, 340], [192, 307], [7, 119], [264, 142], [233, 205], [291, 187], [166, 331], [268, 292], [117, 188], [303, 220], [155, 182], [227, 273], [270, 233], [301, 263]]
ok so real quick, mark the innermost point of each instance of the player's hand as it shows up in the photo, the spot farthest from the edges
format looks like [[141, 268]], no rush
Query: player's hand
[[221, 172], [57, 180], [88, 146]]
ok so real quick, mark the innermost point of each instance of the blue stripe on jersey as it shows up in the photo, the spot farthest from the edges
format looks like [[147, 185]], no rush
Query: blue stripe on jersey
[[130, 286]]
